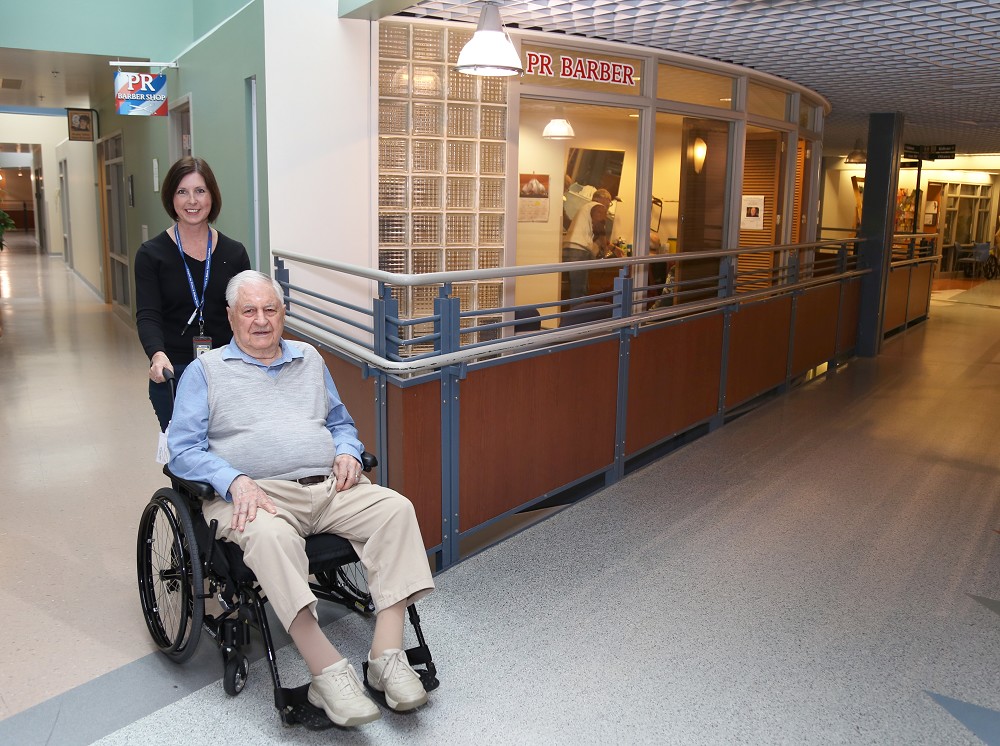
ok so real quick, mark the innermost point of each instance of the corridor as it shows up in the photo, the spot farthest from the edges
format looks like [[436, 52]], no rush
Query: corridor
[[823, 570]]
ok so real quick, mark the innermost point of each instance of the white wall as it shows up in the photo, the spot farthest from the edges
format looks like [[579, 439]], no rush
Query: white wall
[[540, 243], [47, 132], [85, 230], [321, 152], [838, 192]]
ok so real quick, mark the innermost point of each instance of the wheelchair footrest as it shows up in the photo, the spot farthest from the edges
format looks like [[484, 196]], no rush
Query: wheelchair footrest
[[298, 711]]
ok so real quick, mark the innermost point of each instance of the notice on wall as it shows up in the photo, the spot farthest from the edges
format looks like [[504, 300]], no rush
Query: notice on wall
[[140, 94], [533, 198], [752, 212]]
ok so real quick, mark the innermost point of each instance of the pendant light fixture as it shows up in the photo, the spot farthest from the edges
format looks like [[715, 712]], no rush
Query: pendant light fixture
[[558, 129], [490, 51], [858, 155]]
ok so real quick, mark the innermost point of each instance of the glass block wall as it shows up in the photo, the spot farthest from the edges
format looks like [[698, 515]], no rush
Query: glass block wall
[[442, 151]]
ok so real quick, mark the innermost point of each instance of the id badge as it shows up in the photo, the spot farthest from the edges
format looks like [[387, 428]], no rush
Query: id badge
[[162, 452], [202, 345]]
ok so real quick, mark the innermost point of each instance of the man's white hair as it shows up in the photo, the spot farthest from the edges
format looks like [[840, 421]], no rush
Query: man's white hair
[[250, 277]]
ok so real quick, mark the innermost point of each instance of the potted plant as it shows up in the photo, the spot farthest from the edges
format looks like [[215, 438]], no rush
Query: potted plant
[[6, 224]]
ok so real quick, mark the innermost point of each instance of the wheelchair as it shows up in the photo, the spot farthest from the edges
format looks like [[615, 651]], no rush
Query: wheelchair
[[180, 564]]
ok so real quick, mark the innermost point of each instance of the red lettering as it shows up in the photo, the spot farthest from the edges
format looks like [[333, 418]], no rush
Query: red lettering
[[628, 70], [616, 73], [567, 67], [539, 64], [605, 72], [592, 70]]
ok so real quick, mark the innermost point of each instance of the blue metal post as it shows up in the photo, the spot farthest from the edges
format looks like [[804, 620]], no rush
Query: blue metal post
[[448, 311], [878, 213]]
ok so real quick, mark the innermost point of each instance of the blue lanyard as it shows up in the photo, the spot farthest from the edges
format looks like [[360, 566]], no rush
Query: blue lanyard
[[199, 304]]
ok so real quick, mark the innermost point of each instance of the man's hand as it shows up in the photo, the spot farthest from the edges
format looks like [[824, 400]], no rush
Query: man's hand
[[158, 362], [247, 498], [347, 470]]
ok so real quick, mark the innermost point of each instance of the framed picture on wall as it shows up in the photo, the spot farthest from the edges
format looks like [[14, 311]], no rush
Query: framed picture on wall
[[81, 124]]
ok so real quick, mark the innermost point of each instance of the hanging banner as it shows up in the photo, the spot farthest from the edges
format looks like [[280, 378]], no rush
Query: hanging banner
[[141, 94]]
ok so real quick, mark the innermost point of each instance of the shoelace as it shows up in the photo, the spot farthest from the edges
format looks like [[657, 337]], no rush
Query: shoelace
[[348, 682], [395, 670]]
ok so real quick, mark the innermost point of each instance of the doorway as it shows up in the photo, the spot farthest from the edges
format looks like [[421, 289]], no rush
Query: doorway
[[111, 165], [67, 236]]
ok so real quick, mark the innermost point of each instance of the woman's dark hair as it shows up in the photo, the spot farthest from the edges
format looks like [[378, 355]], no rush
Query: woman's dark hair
[[183, 167]]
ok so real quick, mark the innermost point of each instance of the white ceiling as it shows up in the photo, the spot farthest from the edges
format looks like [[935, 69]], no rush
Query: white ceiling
[[937, 61]]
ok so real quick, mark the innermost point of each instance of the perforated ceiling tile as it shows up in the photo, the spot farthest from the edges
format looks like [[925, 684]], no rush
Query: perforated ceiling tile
[[937, 61]]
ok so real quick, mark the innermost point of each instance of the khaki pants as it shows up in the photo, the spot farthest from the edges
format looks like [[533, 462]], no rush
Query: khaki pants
[[379, 523]]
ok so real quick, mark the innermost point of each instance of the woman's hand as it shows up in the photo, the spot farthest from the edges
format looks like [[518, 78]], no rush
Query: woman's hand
[[158, 362]]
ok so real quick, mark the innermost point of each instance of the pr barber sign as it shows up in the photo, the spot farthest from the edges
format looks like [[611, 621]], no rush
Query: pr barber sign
[[141, 94]]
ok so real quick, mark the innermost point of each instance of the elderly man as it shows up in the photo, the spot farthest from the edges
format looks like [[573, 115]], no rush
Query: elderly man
[[261, 421], [585, 237]]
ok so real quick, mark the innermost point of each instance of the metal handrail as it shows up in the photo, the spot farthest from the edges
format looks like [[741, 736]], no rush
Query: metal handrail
[[558, 336], [498, 273]]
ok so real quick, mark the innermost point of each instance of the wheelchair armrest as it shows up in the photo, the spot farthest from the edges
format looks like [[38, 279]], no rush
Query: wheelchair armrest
[[368, 461], [200, 490]]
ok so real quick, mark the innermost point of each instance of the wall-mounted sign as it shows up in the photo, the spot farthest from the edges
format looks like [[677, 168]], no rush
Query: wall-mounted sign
[[81, 124], [581, 70], [141, 94]]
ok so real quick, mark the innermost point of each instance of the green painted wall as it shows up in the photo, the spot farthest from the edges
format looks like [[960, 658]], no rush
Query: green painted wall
[[213, 73], [139, 28], [152, 29]]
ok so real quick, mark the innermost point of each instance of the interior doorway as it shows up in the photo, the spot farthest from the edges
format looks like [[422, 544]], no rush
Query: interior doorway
[[67, 233], [111, 170]]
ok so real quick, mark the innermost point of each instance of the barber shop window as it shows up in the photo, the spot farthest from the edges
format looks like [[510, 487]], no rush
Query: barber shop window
[[573, 157], [688, 210]]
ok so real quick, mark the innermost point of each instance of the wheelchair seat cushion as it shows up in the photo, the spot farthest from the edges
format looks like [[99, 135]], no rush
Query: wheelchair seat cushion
[[325, 552]]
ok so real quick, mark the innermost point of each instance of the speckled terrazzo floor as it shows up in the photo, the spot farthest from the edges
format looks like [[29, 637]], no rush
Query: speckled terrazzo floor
[[823, 570]]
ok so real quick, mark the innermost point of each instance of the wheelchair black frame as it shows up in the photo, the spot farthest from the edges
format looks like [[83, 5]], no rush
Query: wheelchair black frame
[[242, 598]]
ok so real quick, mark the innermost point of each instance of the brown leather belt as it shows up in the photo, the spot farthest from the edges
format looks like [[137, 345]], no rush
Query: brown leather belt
[[313, 480]]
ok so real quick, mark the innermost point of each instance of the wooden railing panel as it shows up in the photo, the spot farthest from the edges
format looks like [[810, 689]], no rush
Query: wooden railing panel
[[850, 313], [674, 377], [815, 336], [414, 458], [758, 348], [895, 299], [919, 301], [534, 425]]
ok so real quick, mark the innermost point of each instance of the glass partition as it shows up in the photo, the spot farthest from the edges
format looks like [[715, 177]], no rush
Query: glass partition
[[694, 86], [577, 196], [690, 174], [767, 102]]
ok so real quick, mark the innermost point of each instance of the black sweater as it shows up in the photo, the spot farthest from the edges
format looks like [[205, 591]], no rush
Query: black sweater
[[163, 302]]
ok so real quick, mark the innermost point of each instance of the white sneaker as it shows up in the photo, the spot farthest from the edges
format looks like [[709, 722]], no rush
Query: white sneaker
[[392, 675], [339, 692]]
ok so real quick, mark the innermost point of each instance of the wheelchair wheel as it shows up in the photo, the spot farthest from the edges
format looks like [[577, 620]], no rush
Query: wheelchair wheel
[[235, 677], [992, 267], [350, 582], [170, 575]]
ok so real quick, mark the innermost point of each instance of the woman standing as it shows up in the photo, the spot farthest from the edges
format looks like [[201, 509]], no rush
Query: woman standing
[[181, 277]]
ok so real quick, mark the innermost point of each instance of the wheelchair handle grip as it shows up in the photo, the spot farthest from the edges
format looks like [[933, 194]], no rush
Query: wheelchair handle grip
[[168, 377]]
